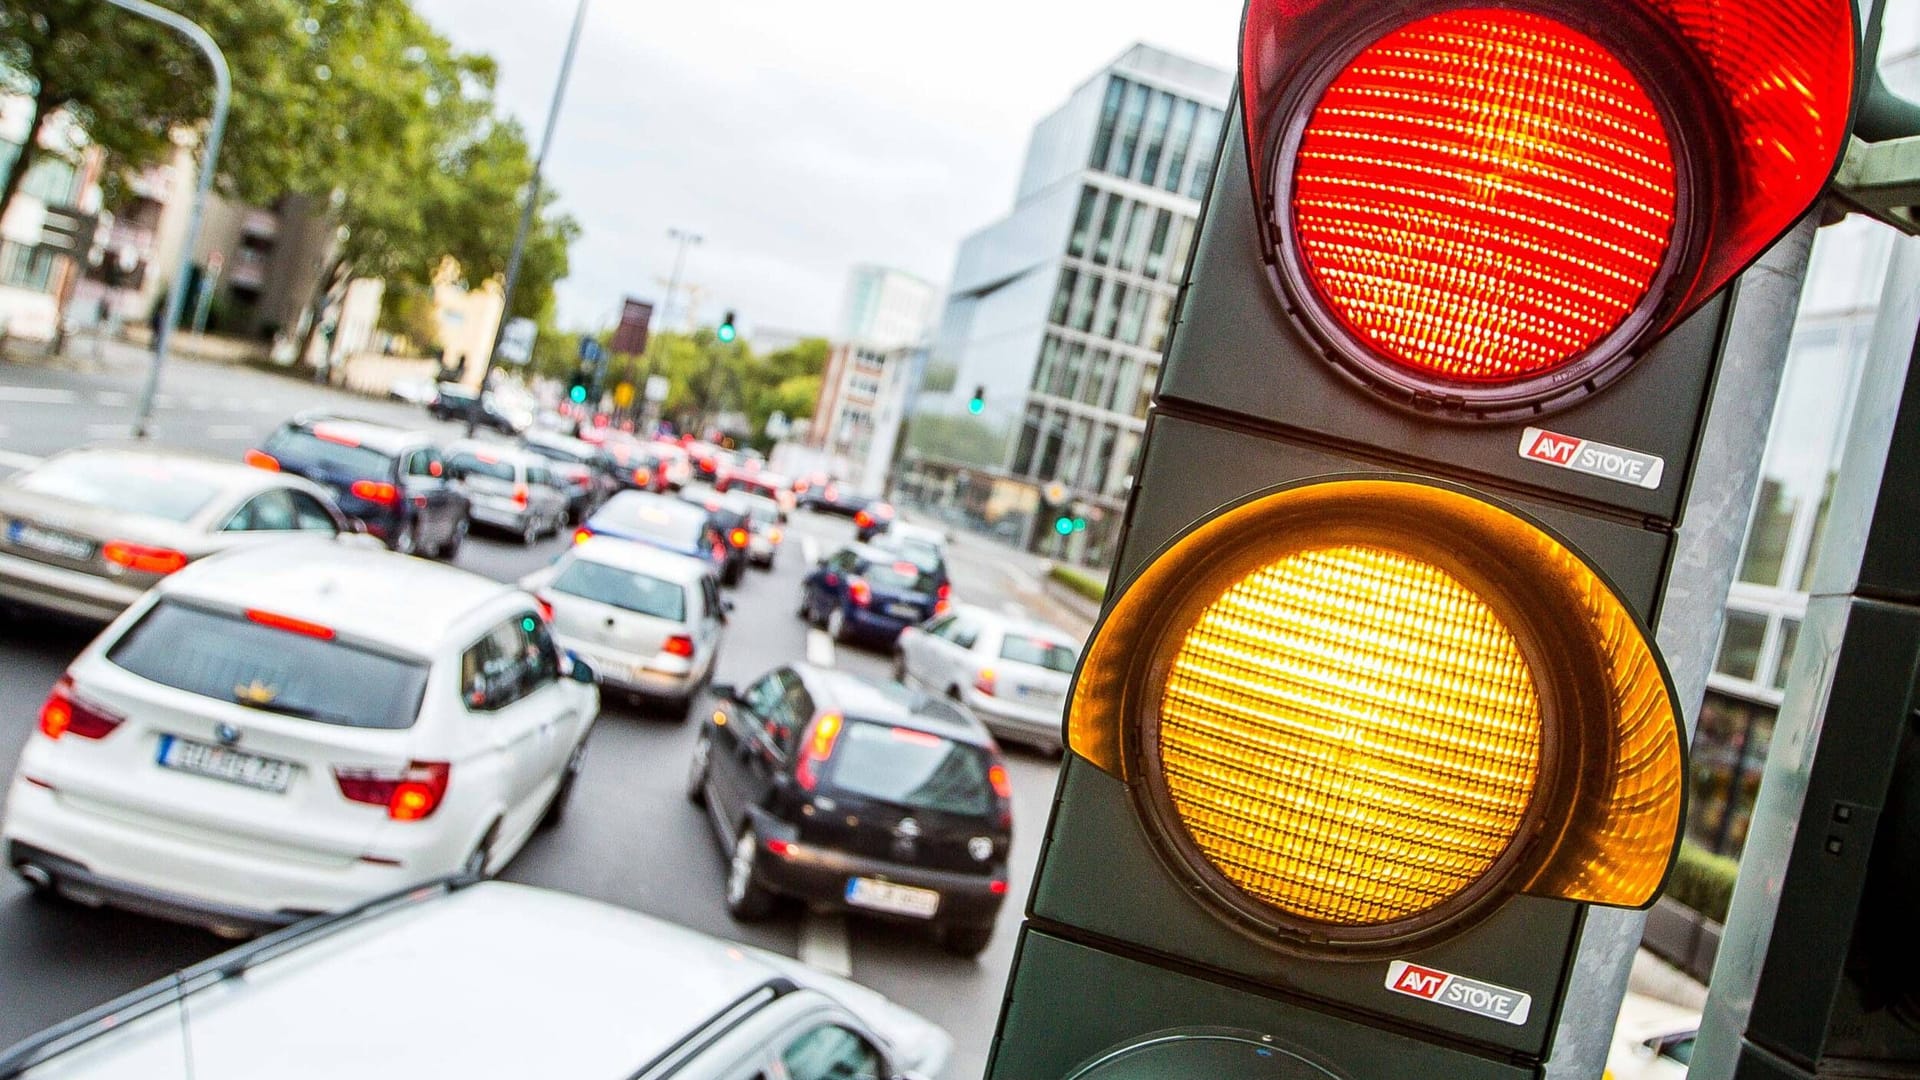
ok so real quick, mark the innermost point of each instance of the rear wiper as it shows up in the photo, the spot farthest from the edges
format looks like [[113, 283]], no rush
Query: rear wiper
[[301, 711]]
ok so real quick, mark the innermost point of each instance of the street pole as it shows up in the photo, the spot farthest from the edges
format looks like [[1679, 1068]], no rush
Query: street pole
[[685, 240], [527, 211], [177, 289]]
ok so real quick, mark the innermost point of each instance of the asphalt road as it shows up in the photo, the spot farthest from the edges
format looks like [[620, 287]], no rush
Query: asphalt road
[[630, 837]]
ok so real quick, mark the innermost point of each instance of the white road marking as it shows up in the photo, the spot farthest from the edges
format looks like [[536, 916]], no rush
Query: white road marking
[[819, 648], [810, 550], [38, 395], [112, 398], [230, 432], [1023, 581], [11, 460], [823, 944]]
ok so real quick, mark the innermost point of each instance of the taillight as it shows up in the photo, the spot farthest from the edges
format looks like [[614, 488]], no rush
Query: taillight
[[582, 535], [738, 538], [642, 477], [410, 794], [997, 887], [546, 608], [860, 592], [863, 519], [290, 624], [774, 535], [375, 491], [520, 496], [997, 776], [678, 645], [984, 681], [65, 714], [943, 598], [261, 460], [142, 557], [817, 748]]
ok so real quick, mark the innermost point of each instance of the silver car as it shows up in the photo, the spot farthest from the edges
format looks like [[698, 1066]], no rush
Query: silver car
[[648, 621], [509, 488], [1012, 673], [85, 532], [500, 980]]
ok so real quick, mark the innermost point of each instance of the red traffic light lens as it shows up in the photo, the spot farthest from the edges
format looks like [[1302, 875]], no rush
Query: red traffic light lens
[[1483, 196]]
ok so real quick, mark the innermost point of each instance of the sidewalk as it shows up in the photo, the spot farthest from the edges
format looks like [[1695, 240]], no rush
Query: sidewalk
[[986, 569]]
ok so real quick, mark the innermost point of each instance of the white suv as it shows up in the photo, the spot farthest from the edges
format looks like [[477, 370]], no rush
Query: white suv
[[297, 728]]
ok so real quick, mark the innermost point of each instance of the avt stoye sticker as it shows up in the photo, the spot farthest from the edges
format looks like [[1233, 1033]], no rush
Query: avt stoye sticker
[[1459, 992], [1593, 458]]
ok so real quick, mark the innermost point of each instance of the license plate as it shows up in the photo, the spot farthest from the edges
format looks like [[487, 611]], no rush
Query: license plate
[[21, 534], [1044, 697], [904, 611], [891, 898], [220, 763]]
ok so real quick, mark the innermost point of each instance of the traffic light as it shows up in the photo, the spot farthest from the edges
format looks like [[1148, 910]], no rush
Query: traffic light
[[1063, 525], [726, 332], [577, 390], [1372, 714], [978, 403]]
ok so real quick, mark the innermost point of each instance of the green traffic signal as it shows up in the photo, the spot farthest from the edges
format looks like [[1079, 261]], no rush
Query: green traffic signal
[[725, 332], [578, 394], [976, 406], [1063, 526]]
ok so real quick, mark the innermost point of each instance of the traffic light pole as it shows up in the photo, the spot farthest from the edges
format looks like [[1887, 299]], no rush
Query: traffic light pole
[[1706, 553]]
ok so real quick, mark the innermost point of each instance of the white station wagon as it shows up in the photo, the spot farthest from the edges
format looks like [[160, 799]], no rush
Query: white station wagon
[[292, 729]]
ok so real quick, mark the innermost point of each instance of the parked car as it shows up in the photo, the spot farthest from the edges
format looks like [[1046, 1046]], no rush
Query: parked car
[[661, 521], [732, 513], [1652, 1040], [584, 471], [85, 532], [509, 488], [1012, 673], [922, 818], [492, 972], [766, 528], [290, 729], [452, 401], [867, 593], [649, 622], [390, 479]]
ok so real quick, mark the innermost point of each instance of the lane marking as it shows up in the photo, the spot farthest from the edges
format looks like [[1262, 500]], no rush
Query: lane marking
[[39, 395], [810, 550], [819, 648], [230, 432], [11, 460], [109, 431], [824, 944], [112, 398]]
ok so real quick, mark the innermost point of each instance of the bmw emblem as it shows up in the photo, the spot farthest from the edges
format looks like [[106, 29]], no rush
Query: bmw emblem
[[981, 848], [907, 829], [226, 733]]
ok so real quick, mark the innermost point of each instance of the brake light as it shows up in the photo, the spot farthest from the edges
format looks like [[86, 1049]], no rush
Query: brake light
[[983, 682], [411, 794], [943, 598], [738, 538], [678, 645], [785, 849], [334, 436], [141, 557], [520, 496], [997, 776], [262, 460], [63, 714], [291, 625], [906, 569], [862, 519], [582, 535], [917, 738], [546, 608], [641, 476], [860, 592], [375, 491], [997, 887], [817, 749]]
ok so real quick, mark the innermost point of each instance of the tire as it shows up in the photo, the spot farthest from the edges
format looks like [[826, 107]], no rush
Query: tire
[[899, 667], [459, 536], [837, 625], [966, 939], [697, 771], [407, 540], [557, 808], [806, 608], [747, 900], [530, 532]]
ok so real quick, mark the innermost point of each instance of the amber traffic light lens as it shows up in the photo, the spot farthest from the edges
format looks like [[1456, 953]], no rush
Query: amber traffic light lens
[[1483, 196], [1350, 699]]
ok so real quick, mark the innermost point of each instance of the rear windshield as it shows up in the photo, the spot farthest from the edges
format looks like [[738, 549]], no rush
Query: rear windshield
[[764, 513], [231, 658], [474, 465], [302, 448], [1039, 652], [555, 453], [925, 556], [659, 520], [911, 768], [898, 577], [121, 482], [623, 589]]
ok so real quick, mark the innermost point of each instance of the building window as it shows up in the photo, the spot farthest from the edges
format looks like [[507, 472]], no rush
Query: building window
[[23, 267], [1108, 317], [1126, 383], [1156, 139], [1049, 446], [1157, 246], [1109, 225], [1134, 316], [1178, 136], [1109, 114], [1789, 637], [1062, 297], [1043, 372], [1157, 319], [1740, 641], [1729, 754], [1125, 147], [1075, 367], [1082, 223], [1029, 436], [1084, 295], [1206, 142], [51, 180], [1134, 245], [1102, 461], [1099, 377], [1177, 265]]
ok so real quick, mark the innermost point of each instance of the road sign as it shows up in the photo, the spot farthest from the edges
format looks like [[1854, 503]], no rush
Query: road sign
[[630, 337], [657, 388], [64, 230], [623, 395], [516, 340], [591, 352], [1372, 716]]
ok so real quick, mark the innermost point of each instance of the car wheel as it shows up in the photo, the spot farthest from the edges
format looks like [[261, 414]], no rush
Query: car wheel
[[557, 809], [806, 608], [459, 536], [697, 771], [747, 899], [966, 940], [407, 540], [530, 531], [837, 625], [899, 667]]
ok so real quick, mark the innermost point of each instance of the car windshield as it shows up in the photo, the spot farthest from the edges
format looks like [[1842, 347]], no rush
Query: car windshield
[[1040, 652], [626, 589], [476, 465], [296, 447], [658, 520], [911, 768], [923, 555], [121, 482], [237, 659]]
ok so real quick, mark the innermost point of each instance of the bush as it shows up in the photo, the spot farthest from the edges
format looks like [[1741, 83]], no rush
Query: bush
[[1090, 585], [1704, 881]]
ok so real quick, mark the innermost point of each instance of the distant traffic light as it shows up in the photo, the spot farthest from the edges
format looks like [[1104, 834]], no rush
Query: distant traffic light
[[726, 332], [1372, 714], [978, 404], [578, 389]]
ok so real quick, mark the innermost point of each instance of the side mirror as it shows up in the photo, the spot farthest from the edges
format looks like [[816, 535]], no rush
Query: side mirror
[[725, 691], [579, 670]]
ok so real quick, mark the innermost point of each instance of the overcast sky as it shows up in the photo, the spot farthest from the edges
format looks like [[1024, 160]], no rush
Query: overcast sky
[[798, 137]]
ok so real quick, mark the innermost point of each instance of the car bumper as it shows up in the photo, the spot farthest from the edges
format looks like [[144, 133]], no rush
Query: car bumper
[[761, 551], [621, 671], [819, 877], [510, 518], [1021, 723], [878, 625], [68, 592], [100, 859]]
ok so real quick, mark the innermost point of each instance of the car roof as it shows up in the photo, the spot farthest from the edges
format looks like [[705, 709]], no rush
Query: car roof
[[642, 559], [859, 698], [1017, 624], [499, 451], [636, 502], [230, 477], [382, 438], [397, 601], [907, 530], [557, 441]]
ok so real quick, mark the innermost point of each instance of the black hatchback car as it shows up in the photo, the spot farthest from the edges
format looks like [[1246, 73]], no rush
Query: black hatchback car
[[862, 796], [390, 479]]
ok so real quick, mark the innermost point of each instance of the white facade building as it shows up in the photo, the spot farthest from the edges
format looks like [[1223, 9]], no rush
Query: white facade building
[[885, 308]]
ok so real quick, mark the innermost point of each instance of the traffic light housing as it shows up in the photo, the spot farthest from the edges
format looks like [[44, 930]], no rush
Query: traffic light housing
[[1372, 713], [726, 331]]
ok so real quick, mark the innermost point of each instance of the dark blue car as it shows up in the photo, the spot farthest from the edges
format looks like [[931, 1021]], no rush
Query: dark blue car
[[390, 479], [660, 521], [868, 594]]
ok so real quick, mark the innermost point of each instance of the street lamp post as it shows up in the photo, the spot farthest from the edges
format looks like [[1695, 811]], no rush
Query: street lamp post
[[177, 289], [685, 240], [532, 205]]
